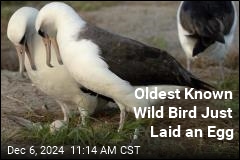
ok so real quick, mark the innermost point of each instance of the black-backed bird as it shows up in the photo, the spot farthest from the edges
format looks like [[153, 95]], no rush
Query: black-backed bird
[[206, 28], [109, 64]]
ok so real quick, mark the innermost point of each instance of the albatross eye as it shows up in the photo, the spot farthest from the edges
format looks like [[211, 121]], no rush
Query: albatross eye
[[41, 33]]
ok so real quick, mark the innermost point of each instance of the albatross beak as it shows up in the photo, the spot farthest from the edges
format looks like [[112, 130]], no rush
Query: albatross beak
[[21, 57], [56, 48], [21, 50], [30, 57], [47, 43]]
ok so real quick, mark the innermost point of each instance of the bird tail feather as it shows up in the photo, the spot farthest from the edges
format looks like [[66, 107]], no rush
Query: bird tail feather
[[198, 84]]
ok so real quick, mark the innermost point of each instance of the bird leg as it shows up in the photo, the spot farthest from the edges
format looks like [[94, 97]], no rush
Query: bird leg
[[136, 133], [135, 137], [122, 120], [65, 110], [58, 124], [122, 116], [84, 114]]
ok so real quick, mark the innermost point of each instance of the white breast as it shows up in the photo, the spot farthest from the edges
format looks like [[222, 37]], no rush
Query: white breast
[[56, 81]]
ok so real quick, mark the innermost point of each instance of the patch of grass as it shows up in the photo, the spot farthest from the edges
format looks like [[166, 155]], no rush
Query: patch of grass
[[157, 42], [99, 135], [231, 83], [232, 60], [225, 104]]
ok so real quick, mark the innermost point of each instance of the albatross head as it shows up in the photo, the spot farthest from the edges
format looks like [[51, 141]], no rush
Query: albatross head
[[50, 17], [20, 28]]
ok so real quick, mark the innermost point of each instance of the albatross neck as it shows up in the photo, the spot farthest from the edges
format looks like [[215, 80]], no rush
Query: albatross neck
[[69, 25]]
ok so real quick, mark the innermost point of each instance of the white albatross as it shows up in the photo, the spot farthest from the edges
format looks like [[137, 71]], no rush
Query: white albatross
[[206, 28], [109, 64], [55, 82]]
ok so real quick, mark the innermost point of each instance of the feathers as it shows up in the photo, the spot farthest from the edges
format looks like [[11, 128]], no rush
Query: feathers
[[88, 91], [207, 21], [136, 62], [198, 84]]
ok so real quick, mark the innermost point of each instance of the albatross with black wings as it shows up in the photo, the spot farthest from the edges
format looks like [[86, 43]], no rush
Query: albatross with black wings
[[108, 64], [138, 63], [207, 28]]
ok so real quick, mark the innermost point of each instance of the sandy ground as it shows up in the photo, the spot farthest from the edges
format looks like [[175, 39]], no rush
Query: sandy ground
[[139, 21]]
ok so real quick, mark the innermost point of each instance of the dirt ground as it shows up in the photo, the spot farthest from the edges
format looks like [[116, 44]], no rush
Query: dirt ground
[[138, 20]]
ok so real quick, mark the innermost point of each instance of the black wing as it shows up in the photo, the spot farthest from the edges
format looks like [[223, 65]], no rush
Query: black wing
[[90, 92], [138, 63], [207, 21]]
